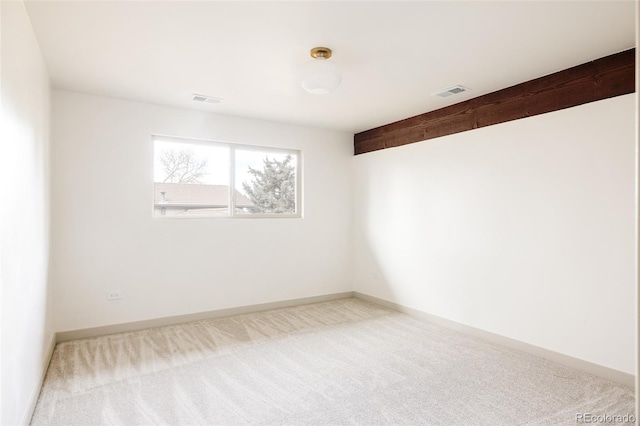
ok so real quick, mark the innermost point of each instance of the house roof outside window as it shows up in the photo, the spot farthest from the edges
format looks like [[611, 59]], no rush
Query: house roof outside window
[[185, 195]]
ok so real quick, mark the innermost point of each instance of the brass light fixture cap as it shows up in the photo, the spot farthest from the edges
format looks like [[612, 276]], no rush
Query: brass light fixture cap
[[320, 52]]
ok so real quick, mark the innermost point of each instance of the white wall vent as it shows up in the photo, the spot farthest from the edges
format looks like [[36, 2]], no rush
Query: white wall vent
[[205, 98], [450, 91]]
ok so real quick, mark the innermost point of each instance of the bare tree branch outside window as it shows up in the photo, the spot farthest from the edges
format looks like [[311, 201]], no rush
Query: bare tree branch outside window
[[182, 166]]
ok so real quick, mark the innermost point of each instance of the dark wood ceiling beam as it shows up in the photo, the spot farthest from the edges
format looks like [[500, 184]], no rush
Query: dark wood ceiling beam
[[603, 78]]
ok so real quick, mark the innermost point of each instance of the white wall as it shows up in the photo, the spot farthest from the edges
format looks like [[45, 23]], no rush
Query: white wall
[[524, 229], [104, 237], [27, 330]]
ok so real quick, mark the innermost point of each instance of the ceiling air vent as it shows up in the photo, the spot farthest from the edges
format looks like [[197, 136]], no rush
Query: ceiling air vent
[[204, 98], [450, 91]]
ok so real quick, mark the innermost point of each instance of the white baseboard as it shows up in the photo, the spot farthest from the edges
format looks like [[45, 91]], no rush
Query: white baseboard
[[84, 333], [26, 419], [557, 357]]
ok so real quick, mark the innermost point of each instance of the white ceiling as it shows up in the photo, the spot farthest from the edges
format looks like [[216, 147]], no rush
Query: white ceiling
[[393, 54]]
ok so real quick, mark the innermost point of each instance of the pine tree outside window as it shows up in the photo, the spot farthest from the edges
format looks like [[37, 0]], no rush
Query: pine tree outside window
[[215, 179], [268, 180]]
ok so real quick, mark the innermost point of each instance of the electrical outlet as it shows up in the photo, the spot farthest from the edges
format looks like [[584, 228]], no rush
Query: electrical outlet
[[114, 295]]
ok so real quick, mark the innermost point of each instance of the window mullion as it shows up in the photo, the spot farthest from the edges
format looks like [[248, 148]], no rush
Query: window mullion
[[232, 181]]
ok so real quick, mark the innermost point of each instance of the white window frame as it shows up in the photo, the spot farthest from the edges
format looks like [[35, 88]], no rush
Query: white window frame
[[232, 178]]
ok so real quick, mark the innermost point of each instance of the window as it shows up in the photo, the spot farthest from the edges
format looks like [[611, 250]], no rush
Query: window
[[214, 179]]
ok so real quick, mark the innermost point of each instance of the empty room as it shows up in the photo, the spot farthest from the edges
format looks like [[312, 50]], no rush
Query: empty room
[[318, 212]]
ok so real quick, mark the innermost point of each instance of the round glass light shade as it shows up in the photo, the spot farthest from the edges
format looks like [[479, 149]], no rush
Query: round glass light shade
[[320, 76]]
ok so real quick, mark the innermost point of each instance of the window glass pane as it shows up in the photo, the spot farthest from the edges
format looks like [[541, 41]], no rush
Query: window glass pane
[[265, 182], [190, 179]]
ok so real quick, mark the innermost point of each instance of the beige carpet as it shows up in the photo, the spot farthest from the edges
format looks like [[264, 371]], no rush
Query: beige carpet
[[341, 362]]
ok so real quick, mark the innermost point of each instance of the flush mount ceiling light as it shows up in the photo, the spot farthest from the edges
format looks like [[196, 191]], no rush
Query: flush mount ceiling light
[[320, 76]]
